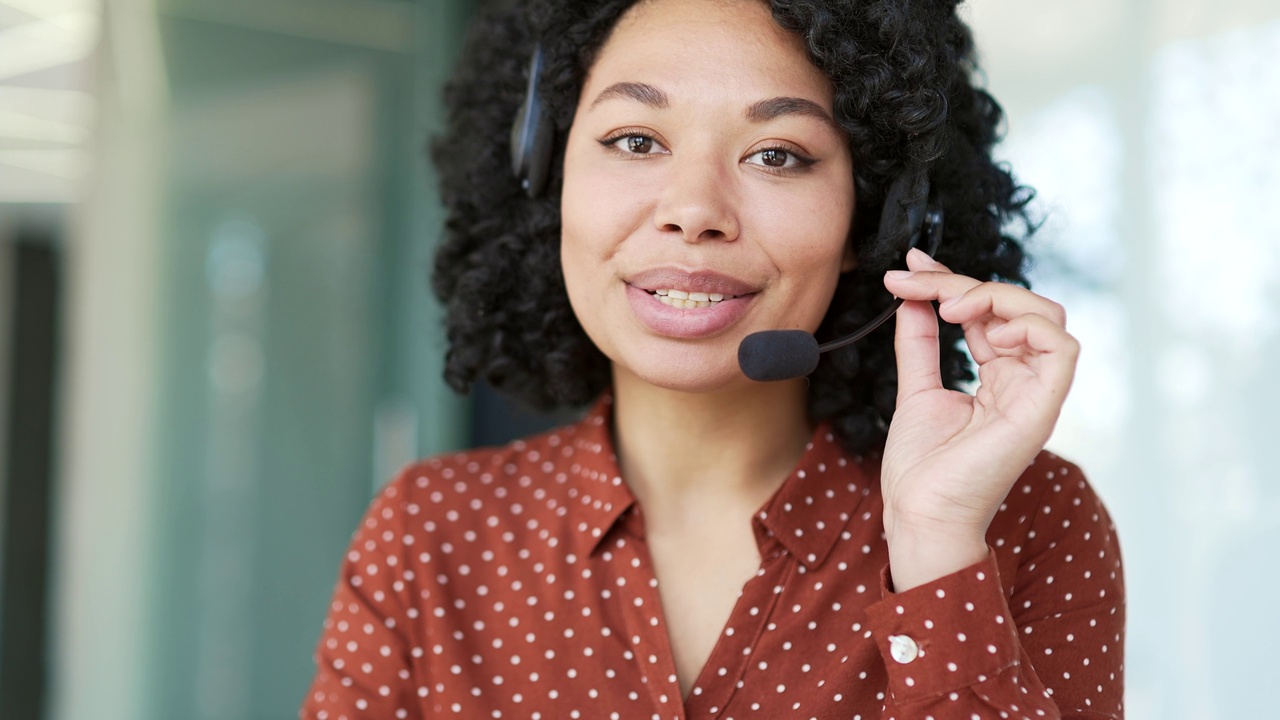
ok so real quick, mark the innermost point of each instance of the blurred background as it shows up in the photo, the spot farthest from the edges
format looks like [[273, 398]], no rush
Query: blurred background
[[216, 339]]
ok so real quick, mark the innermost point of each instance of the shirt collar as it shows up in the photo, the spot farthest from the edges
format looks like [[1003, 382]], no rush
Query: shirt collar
[[601, 497], [806, 516], [815, 504]]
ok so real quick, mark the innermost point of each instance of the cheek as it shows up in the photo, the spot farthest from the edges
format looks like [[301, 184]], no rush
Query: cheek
[[817, 288], [600, 207], [601, 200], [578, 264], [593, 224], [580, 225], [811, 230], [807, 243], [583, 272]]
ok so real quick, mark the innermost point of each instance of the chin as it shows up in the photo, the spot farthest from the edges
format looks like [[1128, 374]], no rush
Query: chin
[[694, 374]]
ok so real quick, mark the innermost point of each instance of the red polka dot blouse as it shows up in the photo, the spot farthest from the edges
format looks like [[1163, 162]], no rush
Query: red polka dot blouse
[[515, 583]]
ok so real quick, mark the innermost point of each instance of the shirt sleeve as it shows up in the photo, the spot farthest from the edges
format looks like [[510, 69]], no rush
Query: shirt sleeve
[[1050, 645], [363, 664]]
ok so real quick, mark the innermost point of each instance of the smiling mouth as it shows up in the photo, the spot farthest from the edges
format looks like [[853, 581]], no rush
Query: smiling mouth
[[689, 300]]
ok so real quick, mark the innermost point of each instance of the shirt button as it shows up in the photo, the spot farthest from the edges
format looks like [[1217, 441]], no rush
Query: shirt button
[[903, 649]]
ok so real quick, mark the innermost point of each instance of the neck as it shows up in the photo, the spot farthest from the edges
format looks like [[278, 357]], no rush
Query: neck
[[684, 452]]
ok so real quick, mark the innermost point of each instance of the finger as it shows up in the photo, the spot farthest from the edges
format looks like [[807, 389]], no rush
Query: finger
[[975, 336], [928, 279], [918, 259], [940, 285], [909, 285], [1001, 300], [916, 345], [1036, 332], [1056, 349]]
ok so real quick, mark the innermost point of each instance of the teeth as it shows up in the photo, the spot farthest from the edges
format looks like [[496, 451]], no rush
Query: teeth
[[688, 303], [689, 300]]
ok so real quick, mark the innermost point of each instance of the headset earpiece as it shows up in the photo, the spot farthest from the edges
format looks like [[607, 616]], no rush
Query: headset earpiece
[[532, 134], [908, 215]]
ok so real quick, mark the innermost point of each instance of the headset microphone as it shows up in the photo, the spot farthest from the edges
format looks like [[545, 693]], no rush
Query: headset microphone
[[786, 354]]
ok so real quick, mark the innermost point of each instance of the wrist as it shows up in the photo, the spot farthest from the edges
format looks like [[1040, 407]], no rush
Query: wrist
[[919, 555]]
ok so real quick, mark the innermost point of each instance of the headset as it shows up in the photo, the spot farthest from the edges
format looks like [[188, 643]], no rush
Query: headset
[[910, 211], [532, 134]]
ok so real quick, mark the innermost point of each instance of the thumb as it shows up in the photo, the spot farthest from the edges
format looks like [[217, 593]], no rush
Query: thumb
[[916, 345]]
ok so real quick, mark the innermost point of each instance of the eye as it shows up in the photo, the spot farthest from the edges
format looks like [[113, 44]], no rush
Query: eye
[[777, 158], [634, 143], [638, 144]]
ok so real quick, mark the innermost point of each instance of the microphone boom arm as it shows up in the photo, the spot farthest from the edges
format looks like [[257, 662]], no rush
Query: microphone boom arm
[[932, 235]]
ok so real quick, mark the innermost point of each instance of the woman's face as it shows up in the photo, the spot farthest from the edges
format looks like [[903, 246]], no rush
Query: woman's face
[[708, 194]]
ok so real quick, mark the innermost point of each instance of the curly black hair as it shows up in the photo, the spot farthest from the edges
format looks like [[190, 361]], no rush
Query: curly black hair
[[906, 92]]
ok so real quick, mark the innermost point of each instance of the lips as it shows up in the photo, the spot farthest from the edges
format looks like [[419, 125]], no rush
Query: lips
[[656, 298], [701, 281]]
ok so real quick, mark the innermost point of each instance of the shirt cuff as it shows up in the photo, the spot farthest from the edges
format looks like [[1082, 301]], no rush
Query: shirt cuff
[[948, 634]]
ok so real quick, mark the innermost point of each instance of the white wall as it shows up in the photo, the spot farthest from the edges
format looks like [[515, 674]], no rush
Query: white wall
[[1152, 133], [105, 494]]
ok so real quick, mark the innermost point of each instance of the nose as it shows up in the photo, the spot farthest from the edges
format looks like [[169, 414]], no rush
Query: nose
[[698, 201]]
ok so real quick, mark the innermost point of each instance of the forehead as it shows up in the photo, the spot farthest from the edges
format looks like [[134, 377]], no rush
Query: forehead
[[699, 49]]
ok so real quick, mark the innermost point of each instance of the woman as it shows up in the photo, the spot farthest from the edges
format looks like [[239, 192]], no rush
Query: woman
[[863, 543]]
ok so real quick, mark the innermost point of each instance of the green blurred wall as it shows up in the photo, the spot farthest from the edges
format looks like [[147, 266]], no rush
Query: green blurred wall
[[299, 348]]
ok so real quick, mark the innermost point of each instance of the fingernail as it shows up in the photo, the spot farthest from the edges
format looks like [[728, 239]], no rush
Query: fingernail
[[953, 301], [924, 257], [899, 274]]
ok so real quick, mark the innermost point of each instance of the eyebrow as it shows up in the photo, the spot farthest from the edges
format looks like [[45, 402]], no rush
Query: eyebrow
[[766, 110], [759, 112], [640, 92]]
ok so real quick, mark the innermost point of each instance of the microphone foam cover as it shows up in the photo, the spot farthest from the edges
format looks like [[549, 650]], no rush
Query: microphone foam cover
[[778, 355]]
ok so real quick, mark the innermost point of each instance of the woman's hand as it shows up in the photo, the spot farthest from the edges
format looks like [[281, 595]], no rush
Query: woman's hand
[[951, 458]]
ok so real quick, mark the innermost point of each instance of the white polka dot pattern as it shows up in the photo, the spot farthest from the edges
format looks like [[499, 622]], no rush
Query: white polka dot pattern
[[515, 583]]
